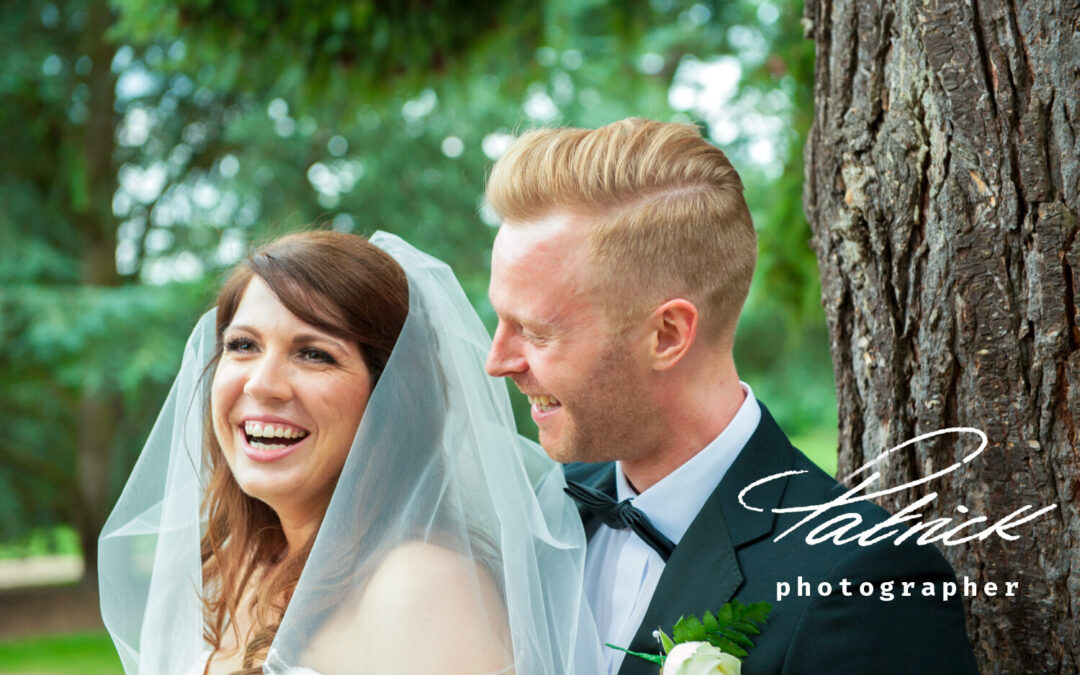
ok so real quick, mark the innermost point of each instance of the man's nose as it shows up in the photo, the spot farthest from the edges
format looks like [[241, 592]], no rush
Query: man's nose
[[269, 380], [505, 357]]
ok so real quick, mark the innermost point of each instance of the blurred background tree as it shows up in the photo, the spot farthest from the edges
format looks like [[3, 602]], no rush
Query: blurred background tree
[[146, 145]]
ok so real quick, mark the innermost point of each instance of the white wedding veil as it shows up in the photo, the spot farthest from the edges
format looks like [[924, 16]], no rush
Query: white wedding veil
[[435, 459]]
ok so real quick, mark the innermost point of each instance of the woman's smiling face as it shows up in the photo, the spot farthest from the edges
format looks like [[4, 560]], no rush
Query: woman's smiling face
[[286, 401]]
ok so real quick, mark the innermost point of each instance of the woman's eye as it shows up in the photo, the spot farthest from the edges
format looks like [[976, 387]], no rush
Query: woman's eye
[[317, 356], [239, 345]]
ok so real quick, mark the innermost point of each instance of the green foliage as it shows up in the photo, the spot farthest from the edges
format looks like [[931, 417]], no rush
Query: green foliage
[[666, 642], [819, 444], [229, 122], [728, 630], [70, 654], [59, 540], [338, 52], [61, 341], [788, 364], [787, 268]]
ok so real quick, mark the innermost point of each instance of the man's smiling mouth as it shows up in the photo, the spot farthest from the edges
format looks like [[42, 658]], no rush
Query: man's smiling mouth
[[544, 403]]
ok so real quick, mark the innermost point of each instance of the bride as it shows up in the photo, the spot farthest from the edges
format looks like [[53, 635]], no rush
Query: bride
[[334, 486]]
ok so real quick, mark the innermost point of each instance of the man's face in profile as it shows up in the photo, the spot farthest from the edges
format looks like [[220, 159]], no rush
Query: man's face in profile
[[556, 342]]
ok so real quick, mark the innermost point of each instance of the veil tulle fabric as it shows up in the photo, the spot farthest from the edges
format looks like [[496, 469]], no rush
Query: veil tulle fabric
[[435, 459]]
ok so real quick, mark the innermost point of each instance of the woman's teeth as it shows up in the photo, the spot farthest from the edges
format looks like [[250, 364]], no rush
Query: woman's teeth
[[544, 403], [259, 435]]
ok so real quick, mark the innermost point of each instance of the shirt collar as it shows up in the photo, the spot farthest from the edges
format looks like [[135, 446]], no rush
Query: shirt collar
[[673, 502]]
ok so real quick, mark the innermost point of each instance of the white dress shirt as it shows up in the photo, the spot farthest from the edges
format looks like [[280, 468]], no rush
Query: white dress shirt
[[621, 571]]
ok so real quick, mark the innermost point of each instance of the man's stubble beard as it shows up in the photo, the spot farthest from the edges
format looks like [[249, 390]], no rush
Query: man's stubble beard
[[610, 418]]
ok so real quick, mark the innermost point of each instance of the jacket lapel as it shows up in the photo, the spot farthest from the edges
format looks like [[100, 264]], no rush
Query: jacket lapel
[[703, 572], [767, 453]]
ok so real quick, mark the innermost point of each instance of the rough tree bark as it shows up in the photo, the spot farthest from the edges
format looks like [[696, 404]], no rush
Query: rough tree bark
[[943, 189]]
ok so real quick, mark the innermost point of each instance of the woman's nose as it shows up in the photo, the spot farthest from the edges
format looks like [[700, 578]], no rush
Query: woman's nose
[[269, 380]]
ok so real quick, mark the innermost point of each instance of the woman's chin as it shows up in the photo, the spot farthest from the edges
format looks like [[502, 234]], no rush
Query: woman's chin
[[274, 490], [267, 474]]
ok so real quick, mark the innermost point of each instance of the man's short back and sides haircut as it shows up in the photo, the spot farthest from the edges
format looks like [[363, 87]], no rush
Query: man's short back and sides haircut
[[666, 211]]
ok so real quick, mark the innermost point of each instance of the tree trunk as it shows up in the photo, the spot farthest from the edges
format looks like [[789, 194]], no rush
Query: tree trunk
[[99, 410], [943, 188]]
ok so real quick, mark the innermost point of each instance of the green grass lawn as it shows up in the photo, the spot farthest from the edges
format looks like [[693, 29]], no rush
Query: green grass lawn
[[59, 539], [70, 654]]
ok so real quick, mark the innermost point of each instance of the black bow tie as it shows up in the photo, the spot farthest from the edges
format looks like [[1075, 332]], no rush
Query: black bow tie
[[618, 515]]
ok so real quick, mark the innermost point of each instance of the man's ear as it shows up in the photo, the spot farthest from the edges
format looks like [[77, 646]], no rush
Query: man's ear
[[673, 329]]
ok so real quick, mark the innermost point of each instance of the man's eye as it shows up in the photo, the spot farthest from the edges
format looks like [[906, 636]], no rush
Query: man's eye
[[532, 337], [317, 356], [240, 345]]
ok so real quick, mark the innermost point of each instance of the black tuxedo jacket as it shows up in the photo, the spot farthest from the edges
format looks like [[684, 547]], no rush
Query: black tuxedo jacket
[[728, 552]]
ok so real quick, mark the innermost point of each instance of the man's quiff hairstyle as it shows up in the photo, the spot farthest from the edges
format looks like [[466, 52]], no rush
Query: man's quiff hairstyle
[[665, 210]]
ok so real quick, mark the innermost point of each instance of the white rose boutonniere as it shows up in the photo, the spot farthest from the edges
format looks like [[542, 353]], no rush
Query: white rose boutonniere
[[715, 644], [700, 658]]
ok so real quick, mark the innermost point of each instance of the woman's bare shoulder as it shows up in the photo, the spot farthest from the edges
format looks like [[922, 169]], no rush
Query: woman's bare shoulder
[[423, 572], [429, 594]]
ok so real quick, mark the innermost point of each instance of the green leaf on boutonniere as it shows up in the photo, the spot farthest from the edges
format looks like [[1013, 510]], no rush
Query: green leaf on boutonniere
[[726, 645], [735, 636], [667, 643], [729, 630], [710, 622], [688, 629], [745, 627]]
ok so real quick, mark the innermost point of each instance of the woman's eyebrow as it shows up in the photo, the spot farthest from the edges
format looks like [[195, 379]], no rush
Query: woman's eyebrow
[[308, 338], [242, 327]]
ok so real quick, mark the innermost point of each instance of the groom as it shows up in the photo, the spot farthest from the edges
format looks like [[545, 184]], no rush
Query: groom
[[618, 276]]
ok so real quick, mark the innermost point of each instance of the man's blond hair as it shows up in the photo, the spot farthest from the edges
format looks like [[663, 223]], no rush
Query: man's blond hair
[[665, 208]]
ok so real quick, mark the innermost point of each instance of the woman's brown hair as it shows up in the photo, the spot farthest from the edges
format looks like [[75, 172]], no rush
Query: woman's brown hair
[[339, 283]]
